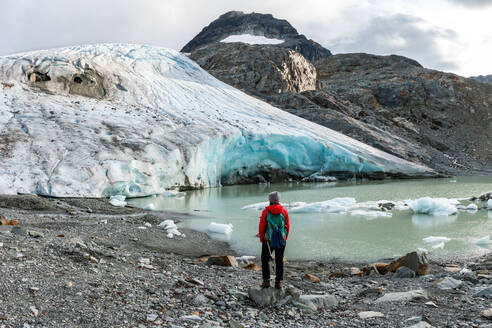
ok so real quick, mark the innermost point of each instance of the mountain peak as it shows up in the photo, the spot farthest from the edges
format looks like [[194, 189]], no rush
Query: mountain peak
[[239, 23]]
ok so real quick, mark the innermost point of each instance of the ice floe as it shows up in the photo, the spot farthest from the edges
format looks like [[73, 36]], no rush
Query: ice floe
[[171, 228], [436, 239], [434, 206], [484, 241], [117, 200], [224, 229]]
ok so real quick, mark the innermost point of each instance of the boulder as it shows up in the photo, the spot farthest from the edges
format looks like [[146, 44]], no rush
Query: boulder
[[252, 266], [271, 296], [485, 293], [404, 272], [222, 260], [449, 283], [403, 296], [416, 262], [315, 302]]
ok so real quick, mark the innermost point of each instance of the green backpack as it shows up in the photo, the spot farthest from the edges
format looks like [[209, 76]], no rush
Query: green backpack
[[276, 230]]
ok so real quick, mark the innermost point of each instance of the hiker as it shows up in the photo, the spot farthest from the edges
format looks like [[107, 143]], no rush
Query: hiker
[[274, 230]]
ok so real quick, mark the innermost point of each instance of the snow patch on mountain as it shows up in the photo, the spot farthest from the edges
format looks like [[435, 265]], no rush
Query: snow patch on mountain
[[134, 120], [251, 39]]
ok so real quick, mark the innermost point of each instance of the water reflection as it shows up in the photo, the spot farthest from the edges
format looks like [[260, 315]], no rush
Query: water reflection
[[427, 221]]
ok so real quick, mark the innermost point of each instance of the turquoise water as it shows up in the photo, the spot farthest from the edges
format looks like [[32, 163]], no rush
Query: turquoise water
[[342, 236]]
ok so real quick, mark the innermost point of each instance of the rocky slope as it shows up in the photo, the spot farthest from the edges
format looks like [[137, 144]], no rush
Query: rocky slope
[[237, 23], [390, 102], [80, 262], [258, 69], [482, 78]]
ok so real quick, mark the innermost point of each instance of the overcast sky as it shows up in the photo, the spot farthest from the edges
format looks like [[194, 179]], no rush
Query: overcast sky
[[449, 35]]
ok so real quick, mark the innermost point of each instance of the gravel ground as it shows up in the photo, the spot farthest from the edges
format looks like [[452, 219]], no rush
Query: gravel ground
[[84, 263]]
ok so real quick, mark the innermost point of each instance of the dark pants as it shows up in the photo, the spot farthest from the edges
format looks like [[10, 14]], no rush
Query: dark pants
[[279, 262]]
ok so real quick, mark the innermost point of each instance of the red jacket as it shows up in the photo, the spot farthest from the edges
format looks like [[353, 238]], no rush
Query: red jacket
[[275, 209]]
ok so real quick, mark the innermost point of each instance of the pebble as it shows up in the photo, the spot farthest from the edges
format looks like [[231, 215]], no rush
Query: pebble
[[370, 314], [151, 317], [34, 311]]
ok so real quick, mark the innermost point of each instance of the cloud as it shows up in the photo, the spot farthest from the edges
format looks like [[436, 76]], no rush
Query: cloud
[[473, 3], [402, 35]]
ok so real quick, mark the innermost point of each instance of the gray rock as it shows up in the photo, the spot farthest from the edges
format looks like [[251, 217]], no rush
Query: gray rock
[[485, 293], [404, 272], [370, 314], [403, 296], [413, 320], [262, 69], [18, 231], [421, 324], [319, 301], [449, 283], [200, 300], [266, 296]]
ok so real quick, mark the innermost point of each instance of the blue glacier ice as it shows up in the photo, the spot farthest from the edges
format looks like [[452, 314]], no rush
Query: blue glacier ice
[[154, 121]]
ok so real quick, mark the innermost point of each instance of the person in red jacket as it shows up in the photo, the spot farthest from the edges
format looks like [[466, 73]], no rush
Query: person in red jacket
[[269, 217]]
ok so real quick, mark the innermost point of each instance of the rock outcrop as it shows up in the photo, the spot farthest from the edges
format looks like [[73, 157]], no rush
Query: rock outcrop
[[482, 78], [445, 115], [237, 23], [257, 69]]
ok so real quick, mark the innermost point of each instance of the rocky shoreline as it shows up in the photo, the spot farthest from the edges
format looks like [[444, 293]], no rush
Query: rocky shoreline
[[74, 262]]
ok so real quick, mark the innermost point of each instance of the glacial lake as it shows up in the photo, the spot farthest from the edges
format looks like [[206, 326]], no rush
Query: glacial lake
[[354, 235]]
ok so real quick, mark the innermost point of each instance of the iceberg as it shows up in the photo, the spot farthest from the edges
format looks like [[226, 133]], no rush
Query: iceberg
[[335, 205], [484, 241], [117, 200], [224, 229], [135, 120], [434, 206], [171, 228], [433, 239], [489, 204]]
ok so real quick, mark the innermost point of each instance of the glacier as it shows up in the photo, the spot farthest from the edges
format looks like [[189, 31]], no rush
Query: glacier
[[136, 120]]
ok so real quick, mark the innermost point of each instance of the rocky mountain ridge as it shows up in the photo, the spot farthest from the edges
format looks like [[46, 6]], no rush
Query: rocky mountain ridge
[[482, 78], [390, 102], [237, 23]]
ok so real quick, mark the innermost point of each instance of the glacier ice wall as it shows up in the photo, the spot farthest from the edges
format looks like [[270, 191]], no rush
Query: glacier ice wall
[[99, 120]]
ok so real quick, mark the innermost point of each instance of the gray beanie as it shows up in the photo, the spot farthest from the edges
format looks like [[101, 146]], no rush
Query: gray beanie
[[274, 197]]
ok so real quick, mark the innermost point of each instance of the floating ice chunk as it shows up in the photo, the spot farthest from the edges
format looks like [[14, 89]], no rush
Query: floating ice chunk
[[251, 39], [256, 206], [438, 246], [461, 207], [483, 241], [117, 200], [173, 193], [335, 205], [167, 224], [318, 177], [262, 205], [472, 207], [148, 225], [149, 207], [220, 228], [433, 239], [170, 235], [142, 228], [434, 206], [489, 204], [371, 214]]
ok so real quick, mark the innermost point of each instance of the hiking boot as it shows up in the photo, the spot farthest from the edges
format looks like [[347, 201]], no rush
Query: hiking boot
[[278, 285], [265, 284]]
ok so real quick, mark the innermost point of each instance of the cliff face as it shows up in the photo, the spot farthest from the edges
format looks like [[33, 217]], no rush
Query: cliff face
[[257, 69], [237, 23]]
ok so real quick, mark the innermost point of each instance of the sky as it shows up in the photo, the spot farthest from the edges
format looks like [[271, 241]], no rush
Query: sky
[[449, 35]]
